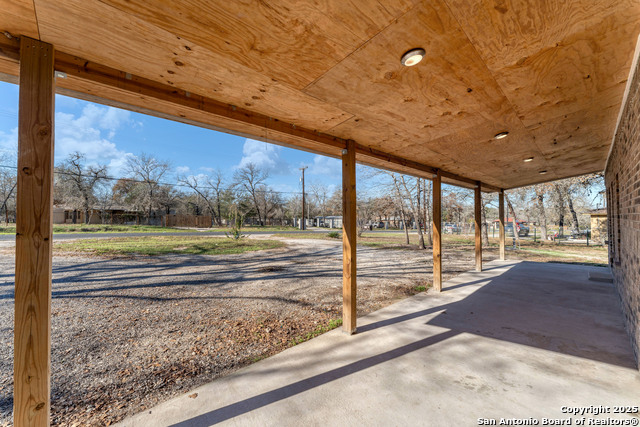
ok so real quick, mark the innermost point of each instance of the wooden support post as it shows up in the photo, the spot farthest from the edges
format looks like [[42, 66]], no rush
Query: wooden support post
[[349, 227], [501, 216], [478, 225], [437, 233], [32, 333]]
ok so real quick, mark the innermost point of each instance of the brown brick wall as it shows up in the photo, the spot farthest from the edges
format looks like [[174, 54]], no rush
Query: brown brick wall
[[622, 177]]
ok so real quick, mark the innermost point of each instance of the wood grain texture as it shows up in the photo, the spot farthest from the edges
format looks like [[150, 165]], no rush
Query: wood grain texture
[[436, 226], [99, 83], [501, 235], [349, 232], [34, 205], [137, 47], [535, 69], [477, 205], [422, 102], [291, 41], [18, 17], [552, 57]]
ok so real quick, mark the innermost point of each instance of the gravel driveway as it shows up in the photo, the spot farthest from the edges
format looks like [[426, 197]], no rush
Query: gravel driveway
[[129, 333]]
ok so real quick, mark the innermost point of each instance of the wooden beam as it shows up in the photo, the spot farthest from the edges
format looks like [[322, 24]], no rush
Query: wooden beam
[[478, 225], [349, 228], [34, 205], [501, 216], [437, 233], [99, 83]]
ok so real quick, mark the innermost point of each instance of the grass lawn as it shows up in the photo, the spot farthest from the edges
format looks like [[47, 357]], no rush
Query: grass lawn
[[109, 228], [161, 245], [269, 228], [528, 250], [99, 228]]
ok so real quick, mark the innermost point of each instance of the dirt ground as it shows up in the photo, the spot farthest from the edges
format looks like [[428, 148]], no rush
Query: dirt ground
[[130, 333]]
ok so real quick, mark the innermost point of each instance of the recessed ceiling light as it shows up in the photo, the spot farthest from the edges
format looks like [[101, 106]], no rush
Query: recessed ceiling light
[[542, 172], [412, 57], [501, 135], [528, 159]]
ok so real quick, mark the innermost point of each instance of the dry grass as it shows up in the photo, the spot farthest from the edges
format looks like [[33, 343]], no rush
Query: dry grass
[[162, 245]]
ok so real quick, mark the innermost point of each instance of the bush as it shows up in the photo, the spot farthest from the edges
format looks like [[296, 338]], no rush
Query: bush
[[335, 235]]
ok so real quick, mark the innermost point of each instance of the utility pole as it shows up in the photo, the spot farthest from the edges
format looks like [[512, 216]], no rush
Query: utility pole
[[303, 225]]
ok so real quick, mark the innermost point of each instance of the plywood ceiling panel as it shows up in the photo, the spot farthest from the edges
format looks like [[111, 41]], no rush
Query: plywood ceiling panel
[[128, 43], [553, 57], [551, 72], [451, 89], [292, 41]]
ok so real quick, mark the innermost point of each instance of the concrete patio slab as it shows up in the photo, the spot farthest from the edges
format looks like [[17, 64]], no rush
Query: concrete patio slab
[[518, 340]]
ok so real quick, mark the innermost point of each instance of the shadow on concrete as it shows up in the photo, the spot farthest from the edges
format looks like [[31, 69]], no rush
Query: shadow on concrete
[[264, 399], [547, 306]]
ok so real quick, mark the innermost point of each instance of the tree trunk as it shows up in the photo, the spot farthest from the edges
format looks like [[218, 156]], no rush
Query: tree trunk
[[485, 233], [542, 216], [574, 215], [426, 198], [257, 206], [86, 210], [416, 214], [514, 223], [560, 210]]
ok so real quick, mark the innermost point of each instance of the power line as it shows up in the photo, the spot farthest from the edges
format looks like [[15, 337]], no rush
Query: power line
[[171, 184]]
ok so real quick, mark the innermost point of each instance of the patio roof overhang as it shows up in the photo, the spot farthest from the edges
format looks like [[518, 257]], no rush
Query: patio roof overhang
[[314, 75]]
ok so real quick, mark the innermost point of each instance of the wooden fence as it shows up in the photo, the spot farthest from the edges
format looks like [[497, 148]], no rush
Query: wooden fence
[[195, 221]]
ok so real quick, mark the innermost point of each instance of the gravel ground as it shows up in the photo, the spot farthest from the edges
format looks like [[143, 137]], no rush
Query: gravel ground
[[130, 333]]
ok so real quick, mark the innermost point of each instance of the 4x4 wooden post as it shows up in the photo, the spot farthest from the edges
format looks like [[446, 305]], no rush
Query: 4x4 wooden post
[[478, 225], [34, 205], [501, 216], [437, 233], [349, 227]]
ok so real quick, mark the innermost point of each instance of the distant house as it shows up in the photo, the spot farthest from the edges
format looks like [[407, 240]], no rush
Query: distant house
[[115, 214]]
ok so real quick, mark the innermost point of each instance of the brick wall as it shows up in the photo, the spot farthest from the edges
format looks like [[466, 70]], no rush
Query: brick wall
[[622, 177]]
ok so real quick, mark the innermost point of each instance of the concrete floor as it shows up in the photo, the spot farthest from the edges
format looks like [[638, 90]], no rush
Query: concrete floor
[[518, 340]]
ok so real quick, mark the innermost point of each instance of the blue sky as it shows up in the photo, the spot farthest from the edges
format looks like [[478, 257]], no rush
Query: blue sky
[[108, 135]]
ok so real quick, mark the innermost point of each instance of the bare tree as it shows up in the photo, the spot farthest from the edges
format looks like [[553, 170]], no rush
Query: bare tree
[[514, 222], [414, 206], [427, 190], [8, 182], [320, 194], [209, 188], [400, 202], [104, 201], [484, 226], [150, 171], [540, 193], [247, 180], [80, 180], [559, 194]]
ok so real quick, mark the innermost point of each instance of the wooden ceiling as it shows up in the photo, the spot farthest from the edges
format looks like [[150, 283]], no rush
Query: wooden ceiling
[[312, 74]]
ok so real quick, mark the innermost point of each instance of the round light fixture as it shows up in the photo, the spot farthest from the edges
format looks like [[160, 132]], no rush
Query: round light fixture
[[542, 172], [528, 159], [501, 135], [412, 57]]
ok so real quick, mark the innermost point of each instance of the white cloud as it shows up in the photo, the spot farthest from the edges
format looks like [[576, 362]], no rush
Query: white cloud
[[181, 170], [323, 165], [91, 133], [265, 156]]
